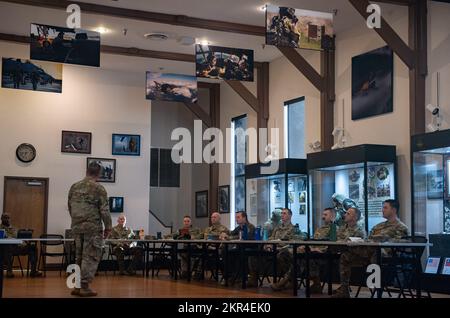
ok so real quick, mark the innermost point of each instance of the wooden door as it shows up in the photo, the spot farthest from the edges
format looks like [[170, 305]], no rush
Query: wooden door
[[26, 201]]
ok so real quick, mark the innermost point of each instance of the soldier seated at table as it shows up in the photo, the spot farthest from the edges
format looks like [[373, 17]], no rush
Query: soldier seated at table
[[390, 230], [119, 249], [216, 231], [187, 232], [26, 248], [321, 234], [286, 231]]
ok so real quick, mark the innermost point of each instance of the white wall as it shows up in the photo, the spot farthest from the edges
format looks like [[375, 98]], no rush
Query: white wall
[[96, 100]]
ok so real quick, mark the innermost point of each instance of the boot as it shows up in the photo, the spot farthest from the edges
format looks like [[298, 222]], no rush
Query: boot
[[341, 292], [282, 283], [75, 292], [252, 281], [86, 291], [35, 274], [9, 274], [316, 287]]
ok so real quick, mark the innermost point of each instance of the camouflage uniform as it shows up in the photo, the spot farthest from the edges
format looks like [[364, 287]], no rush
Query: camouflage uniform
[[186, 234], [283, 232], [214, 231], [22, 249], [88, 208], [362, 256], [121, 249]]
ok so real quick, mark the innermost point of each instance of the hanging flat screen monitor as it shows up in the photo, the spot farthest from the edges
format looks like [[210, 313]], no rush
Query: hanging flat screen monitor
[[64, 45], [224, 63], [446, 267], [432, 265]]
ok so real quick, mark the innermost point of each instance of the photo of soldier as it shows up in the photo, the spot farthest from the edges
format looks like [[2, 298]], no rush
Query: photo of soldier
[[224, 63]]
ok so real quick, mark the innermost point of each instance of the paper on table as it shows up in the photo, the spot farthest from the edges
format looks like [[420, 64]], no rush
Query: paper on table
[[355, 239]]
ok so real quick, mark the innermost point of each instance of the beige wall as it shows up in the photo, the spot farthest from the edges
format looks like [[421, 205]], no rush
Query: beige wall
[[96, 100]]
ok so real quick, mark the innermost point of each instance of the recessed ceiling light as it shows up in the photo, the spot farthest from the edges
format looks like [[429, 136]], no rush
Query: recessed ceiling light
[[102, 30], [203, 42]]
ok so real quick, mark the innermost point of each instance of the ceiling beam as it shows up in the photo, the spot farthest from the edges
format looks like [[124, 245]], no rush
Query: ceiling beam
[[388, 34], [200, 113], [156, 17], [304, 67], [127, 51], [246, 95]]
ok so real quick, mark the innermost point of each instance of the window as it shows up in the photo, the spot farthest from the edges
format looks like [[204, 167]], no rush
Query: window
[[163, 171], [238, 160], [294, 128]]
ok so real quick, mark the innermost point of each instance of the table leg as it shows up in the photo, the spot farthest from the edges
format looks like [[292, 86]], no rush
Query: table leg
[[275, 274], [294, 270], [330, 273], [242, 261], [225, 264], [189, 262], [418, 274], [307, 287], [379, 290]]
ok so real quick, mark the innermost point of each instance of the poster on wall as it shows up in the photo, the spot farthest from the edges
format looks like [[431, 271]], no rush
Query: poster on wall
[[31, 75], [355, 179], [276, 190], [64, 45], [383, 182], [223, 63], [372, 83], [296, 28], [171, 87], [371, 183], [447, 216], [435, 184]]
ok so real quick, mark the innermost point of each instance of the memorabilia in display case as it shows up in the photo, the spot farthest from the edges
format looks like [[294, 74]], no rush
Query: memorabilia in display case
[[361, 176], [267, 192], [430, 177]]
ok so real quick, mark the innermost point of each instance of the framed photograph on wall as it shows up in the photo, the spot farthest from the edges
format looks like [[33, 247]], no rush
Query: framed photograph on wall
[[116, 204], [108, 172], [126, 145], [224, 199], [201, 204], [76, 142], [435, 184]]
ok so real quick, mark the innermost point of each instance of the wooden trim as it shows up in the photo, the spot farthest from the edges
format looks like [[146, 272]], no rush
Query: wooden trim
[[156, 17], [327, 98], [45, 180], [243, 91], [387, 34], [214, 96], [200, 113], [417, 76], [263, 105], [303, 66], [397, 2]]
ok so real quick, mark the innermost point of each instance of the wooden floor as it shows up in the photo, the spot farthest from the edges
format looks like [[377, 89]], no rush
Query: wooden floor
[[115, 286]]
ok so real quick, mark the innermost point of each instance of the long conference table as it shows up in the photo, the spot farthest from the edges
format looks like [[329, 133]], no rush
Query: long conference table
[[243, 249]]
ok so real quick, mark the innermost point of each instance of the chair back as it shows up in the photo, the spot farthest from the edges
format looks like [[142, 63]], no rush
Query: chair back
[[56, 239], [24, 234]]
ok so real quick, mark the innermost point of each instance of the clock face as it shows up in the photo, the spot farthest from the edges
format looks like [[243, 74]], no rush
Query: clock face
[[26, 153]]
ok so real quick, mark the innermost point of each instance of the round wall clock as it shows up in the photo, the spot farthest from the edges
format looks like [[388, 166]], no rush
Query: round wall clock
[[26, 153]]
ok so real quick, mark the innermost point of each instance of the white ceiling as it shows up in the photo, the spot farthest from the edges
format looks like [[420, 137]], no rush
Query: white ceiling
[[15, 19]]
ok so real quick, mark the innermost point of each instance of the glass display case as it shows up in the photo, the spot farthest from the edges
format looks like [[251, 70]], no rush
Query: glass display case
[[363, 176], [430, 177], [287, 187]]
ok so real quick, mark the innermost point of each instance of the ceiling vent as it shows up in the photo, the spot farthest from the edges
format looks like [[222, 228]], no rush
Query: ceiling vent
[[156, 36]]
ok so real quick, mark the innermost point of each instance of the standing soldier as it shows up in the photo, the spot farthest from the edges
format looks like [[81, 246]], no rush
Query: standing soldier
[[88, 208]]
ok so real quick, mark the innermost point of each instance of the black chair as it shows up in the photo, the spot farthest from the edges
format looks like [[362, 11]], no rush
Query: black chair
[[57, 241]]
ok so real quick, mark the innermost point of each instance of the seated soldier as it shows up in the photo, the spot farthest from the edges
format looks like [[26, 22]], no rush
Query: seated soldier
[[285, 232], [322, 233], [121, 232], [390, 230], [216, 231], [187, 232], [22, 249]]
